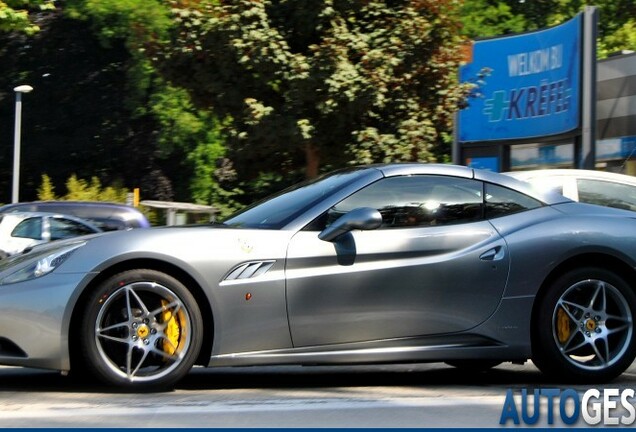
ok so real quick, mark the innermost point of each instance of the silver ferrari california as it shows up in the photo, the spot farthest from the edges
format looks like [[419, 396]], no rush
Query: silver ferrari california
[[379, 264]]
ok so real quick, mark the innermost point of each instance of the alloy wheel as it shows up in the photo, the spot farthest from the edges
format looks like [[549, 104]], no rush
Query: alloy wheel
[[592, 324], [142, 331]]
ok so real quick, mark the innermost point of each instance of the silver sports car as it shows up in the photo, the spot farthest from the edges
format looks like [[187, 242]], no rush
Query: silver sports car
[[378, 264]]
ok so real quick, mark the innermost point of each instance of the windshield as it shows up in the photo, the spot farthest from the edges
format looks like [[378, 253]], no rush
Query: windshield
[[278, 210]]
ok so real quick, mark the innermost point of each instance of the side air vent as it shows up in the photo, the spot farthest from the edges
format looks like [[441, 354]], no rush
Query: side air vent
[[250, 270]]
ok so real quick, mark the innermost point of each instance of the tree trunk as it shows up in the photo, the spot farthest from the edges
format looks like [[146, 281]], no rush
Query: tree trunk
[[312, 158]]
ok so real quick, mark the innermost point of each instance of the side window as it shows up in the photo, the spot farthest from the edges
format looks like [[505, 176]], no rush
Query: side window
[[64, 228], [415, 201], [29, 228], [501, 201], [607, 194], [108, 224]]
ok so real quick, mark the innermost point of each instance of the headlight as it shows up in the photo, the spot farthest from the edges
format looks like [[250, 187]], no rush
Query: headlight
[[37, 263]]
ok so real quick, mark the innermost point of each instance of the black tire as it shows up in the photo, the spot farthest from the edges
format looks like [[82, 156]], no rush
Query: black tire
[[3, 255], [476, 365], [142, 330], [584, 327]]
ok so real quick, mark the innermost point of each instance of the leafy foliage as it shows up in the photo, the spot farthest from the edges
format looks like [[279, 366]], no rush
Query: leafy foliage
[[183, 131], [82, 190], [487, 18], [46, 191], [617, 20], [194, 133], [99, 107], [74, 120], [134, 21], [14, 15], [321, 83], [222, 101]]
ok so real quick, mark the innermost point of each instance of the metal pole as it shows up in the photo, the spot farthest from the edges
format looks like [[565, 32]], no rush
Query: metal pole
[[587, 157], [456, 151], [15, 192]]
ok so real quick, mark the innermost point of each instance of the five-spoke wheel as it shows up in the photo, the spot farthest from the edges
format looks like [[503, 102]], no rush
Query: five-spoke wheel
[[142, 329], [585, 326]]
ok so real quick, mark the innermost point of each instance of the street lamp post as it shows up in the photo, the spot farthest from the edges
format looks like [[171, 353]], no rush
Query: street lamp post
[[16, 140]]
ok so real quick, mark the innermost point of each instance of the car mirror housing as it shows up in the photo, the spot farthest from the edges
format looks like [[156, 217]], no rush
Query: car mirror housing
[[363, 218]]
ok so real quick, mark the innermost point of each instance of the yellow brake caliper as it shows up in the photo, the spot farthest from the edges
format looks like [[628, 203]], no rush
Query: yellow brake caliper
[[173, 331], [563, 326]]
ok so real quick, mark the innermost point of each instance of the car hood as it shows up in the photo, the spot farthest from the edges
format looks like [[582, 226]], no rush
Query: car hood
[[190, 248]]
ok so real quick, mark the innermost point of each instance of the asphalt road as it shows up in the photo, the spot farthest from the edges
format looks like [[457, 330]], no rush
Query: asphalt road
[[429, 395]]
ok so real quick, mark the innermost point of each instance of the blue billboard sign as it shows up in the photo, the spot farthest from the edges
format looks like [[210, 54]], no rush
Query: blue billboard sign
[[529, 85], [489, 163]]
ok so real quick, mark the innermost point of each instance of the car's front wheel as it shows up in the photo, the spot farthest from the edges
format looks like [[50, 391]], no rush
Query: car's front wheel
[[142, 330], [584, 328]]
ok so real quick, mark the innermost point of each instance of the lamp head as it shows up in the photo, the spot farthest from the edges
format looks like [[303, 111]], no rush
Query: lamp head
[[23, 89]]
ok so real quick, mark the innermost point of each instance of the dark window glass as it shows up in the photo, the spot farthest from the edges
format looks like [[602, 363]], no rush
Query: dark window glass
[[501, 201], [415, 201], [65, 228], [29, 228], [278, 210], [607, 194], [107, 224]]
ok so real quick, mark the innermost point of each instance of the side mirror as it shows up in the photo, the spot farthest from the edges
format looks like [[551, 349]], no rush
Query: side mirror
[[363, 218]]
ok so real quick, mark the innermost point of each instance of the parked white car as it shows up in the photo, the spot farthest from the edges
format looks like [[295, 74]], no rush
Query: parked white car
[[21, 230], [587, 186]]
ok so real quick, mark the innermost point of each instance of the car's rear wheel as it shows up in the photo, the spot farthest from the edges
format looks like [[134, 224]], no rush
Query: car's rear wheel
[[142, 330], [584, 329]]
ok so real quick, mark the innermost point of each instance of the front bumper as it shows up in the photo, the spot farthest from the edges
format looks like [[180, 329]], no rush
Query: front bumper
[[35, 318]]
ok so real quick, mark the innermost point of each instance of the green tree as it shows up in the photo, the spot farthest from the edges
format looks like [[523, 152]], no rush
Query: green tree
[[617, 19], [187, 141], [487, 18], [46, 191], [97, 108], [76, 119], [196, 133], [621, 39], [14, 15], [81, 190], [321, 83], [617, 26]]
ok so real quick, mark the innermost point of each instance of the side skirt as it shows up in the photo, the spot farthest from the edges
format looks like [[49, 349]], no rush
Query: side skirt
[[406, 350]]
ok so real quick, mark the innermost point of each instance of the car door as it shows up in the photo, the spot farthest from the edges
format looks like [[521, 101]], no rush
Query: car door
[[434, 266]]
